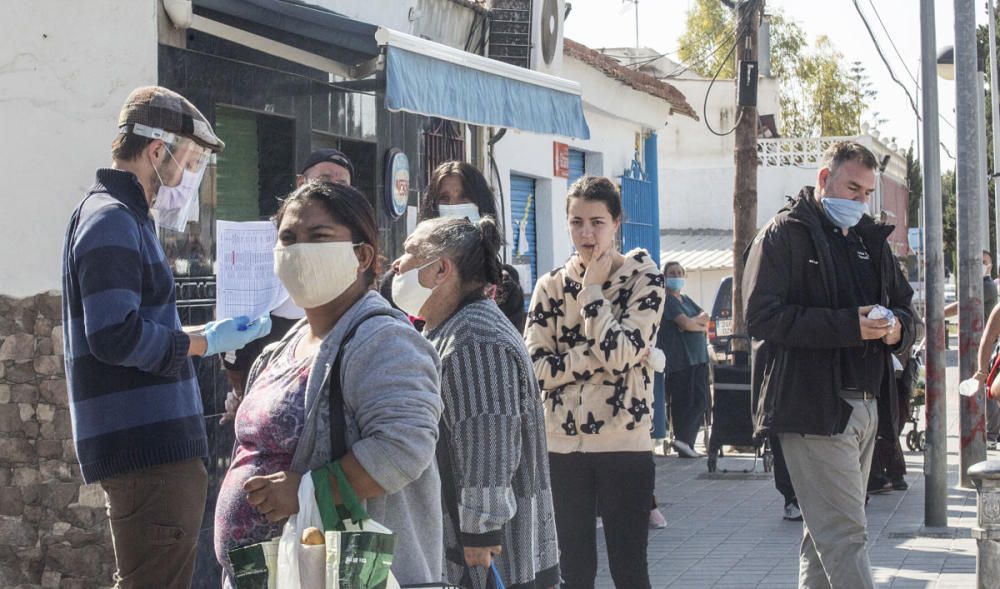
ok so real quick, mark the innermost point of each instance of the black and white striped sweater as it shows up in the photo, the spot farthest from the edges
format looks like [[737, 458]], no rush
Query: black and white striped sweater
[[492, 451]]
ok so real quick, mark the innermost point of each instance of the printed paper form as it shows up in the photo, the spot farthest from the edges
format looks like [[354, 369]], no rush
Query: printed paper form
[[245, 280]]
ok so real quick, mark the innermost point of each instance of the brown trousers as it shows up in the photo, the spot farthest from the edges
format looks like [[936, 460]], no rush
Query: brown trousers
[[155, 517]]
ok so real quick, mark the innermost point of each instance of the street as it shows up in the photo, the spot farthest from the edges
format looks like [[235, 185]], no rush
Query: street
[[725, 529]]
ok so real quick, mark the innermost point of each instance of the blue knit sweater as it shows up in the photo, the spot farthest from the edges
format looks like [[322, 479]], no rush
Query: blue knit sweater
[[133, 393]]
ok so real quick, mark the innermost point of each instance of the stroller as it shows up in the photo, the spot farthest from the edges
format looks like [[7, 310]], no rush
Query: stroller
[[916, 438], [732, 413]]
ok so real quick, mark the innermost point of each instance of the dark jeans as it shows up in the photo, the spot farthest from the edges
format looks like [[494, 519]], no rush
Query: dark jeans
[[888, 459], [782, 480], [688, 391], [620, 486], [155, 517]]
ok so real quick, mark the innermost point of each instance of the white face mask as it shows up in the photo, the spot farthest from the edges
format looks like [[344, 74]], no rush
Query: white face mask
[[174, 205], [407, 292], [316, 273], [463, 211]]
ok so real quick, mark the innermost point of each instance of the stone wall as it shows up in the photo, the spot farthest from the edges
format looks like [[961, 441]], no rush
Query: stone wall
[[53, 528]]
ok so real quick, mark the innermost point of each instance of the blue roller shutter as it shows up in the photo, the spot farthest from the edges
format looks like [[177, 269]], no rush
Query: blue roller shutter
[[577, 164], [522, 216]]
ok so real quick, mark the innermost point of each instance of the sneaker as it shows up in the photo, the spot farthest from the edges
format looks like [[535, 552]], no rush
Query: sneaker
[[600, 522], [879, 484], [656, 520], [685, 451], [792, 512], [899, 485]]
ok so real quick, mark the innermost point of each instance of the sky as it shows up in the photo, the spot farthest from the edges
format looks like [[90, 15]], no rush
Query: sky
[[611, 23]]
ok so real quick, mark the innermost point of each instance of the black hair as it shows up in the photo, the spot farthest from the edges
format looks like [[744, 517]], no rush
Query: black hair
[[348, 207], [597, 188], [474, 187], [473, 247]]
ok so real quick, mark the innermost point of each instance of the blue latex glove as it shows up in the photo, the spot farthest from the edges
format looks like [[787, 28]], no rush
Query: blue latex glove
[[232, 334]]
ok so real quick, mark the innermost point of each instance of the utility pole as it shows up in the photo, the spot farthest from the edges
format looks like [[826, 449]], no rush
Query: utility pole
[[936, 454], [969, 178], [745, 186], [995, 107]]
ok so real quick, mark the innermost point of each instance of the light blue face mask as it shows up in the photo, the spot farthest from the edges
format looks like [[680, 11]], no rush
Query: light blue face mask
[[842, 212], [675, 284]]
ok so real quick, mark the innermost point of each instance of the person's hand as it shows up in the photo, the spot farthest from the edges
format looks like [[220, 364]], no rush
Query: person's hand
[[980, 376], [275, 496], [598, 269], [232, 404], [895, 334], [481, 557], [872, 329], [232, 334]]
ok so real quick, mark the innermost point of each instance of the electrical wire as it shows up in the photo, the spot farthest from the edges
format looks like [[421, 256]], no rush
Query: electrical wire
[[892, 74], [741, 32], [891, 42], [682, 69]]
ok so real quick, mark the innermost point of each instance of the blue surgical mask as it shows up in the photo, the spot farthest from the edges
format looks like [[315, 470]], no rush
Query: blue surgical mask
[[844, 213], [675, 284]]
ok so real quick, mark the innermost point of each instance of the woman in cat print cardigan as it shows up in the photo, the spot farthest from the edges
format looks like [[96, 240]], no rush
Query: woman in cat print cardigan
[[591, 334]]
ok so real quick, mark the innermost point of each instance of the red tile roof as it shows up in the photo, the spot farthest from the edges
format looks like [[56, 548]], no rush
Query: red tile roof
[[638, 80]]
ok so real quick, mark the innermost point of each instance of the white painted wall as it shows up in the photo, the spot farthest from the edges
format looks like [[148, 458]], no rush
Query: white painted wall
[[615, 113], [67, 68]]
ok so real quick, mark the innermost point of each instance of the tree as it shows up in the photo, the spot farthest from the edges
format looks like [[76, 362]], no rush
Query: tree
[[915, 184], [949, 218], [820, 94], [707, 37]]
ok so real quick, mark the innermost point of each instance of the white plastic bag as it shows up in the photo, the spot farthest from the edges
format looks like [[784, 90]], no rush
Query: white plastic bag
[[969, 387], [302, 567]]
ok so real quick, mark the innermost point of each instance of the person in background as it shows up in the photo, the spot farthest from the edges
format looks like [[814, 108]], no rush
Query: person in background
[[327, 259], [986, 373], [492, 453], [322, 165], [138, 421], [591, 331], [683, 339], [458, 189], [989, 290]]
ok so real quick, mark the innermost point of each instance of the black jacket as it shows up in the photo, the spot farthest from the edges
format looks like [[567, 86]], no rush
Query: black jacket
[[799, 329]]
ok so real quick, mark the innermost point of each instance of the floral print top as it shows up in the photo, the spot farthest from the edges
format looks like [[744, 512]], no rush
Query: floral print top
[[268, 424]]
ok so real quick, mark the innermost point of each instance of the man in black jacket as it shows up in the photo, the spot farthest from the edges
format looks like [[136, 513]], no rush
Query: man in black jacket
[[818, 280]]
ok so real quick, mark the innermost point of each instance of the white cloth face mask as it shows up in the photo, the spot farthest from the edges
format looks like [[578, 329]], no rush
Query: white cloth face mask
[[407, 292], [463, 211], [316, 273]]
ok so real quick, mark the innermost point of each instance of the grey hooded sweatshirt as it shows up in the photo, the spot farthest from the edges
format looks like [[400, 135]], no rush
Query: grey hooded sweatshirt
[[392, 407]]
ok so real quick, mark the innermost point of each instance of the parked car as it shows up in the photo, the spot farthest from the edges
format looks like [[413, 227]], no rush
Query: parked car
[[720, 321]]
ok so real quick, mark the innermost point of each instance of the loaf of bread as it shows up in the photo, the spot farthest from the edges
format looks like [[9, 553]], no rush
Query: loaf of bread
[[312, 537]]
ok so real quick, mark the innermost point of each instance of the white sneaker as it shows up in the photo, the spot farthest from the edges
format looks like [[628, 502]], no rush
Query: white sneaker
[[600, 522], [792, 513], [656, 519], [684, 450]]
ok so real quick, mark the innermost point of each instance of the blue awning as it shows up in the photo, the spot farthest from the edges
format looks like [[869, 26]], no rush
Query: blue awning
[[430, 79], [421, 76]]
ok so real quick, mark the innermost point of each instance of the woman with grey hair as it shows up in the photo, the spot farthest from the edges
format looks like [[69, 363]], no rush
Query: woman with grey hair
[[492, 453]]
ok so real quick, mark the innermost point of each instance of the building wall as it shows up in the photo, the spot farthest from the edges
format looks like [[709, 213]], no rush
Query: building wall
[[60, 91], [64, 81]]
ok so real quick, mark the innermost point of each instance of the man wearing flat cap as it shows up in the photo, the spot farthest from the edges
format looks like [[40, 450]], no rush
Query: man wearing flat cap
[[138, 421]]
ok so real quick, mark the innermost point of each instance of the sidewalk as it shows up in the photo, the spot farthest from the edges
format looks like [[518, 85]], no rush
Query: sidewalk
[[725, 529]]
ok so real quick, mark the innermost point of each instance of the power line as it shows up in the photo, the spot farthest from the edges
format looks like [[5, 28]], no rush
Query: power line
[[743, 29], [891, 42], [892, 74]]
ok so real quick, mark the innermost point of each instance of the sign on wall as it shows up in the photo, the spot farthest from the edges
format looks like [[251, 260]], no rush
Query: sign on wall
[[397, 182], [560, 160]]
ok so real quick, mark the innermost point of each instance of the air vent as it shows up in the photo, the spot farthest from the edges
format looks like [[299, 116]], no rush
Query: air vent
[[510, 32]]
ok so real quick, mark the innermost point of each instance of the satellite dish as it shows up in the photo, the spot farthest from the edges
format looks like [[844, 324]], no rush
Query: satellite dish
[[550, 29]]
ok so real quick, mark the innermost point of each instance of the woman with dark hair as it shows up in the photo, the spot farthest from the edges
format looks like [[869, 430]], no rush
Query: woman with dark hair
[[327, 257], [492, 453], [591, 333], [457, 189]]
